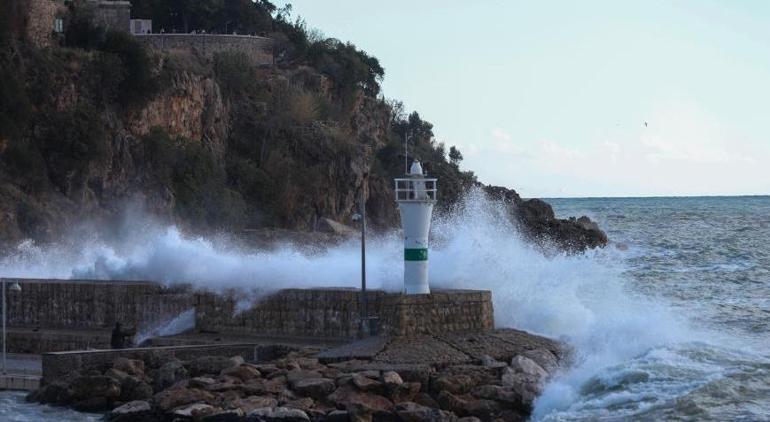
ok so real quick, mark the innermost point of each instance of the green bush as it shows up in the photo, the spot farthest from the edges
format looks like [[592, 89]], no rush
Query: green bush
[[14, 104], [199, 185], [70, 140], [235, 73], [81, 31], [138, 82], [351, 69]]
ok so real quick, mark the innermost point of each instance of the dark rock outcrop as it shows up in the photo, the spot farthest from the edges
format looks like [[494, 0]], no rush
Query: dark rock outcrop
[[537, 221]]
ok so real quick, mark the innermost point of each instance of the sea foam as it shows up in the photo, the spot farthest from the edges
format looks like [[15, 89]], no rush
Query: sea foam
[[582, 299]]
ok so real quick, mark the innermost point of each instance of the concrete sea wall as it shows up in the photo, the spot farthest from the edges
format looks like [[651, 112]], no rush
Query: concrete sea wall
[[336, 313], [94, 305], [57, 315]]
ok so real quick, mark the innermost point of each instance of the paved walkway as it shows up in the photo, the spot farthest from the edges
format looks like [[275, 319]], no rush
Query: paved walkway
[[442, 349]]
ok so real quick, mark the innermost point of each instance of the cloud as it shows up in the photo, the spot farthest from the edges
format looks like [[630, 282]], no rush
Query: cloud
[[554, 151], [501, 135], [503, 143], [613, 149], [684, 150], [681, 131]]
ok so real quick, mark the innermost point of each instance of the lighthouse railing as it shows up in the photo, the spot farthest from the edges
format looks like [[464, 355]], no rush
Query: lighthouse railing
[[415, 189]]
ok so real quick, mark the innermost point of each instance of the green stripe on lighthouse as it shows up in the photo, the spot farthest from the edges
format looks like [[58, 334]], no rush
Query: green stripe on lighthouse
[[416, 254]]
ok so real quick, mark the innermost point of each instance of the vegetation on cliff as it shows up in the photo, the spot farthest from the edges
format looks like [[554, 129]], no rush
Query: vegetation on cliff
[[214, 143]]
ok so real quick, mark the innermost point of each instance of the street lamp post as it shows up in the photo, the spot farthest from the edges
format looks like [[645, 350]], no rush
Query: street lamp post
[[16, 288], [365, 326]]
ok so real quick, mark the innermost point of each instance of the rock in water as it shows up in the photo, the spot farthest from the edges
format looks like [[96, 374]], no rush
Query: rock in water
[[134, 411]]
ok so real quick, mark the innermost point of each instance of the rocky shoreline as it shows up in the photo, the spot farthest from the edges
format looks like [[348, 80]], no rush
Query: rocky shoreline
[[305, 385]]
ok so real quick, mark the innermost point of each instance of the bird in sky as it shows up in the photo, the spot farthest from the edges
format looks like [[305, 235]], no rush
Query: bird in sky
[[645, 124]]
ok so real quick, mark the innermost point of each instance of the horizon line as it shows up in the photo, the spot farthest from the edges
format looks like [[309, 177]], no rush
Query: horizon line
[[762, 195]]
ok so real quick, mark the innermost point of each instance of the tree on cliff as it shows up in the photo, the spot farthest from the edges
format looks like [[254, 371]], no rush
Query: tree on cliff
[[455, 156], [223, 16]]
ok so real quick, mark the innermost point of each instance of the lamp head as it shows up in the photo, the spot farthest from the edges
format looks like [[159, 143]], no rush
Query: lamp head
[[15, 287]]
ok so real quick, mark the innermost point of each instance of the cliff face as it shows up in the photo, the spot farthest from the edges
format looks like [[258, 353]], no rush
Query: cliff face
[[218, 145], [191, 107]]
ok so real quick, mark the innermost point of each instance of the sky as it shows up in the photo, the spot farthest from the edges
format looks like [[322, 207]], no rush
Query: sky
[[551, 97]]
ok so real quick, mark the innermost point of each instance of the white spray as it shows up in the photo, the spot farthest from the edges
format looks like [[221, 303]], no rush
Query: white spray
[[581, 299], [175, 325]]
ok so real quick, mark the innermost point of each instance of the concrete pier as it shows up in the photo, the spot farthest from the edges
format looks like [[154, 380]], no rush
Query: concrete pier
[[61, 315]]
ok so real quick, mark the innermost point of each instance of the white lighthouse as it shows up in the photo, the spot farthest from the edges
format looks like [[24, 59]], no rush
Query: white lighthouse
[[416, 196]]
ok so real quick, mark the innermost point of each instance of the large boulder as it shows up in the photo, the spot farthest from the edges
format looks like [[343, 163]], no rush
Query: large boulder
[[201, 382], [278, 414], [265, 386], [175, 397], [295, 375], [453, 383], [413, 412], [347, 396], [134, 411], [508, 396], [314, 387], [525, 376], [169, 374], [243, 372], [365, 383], [209, 365], [133, 367], [57, 392], [391, 378], [133, 388], [543, 357], [90, 386], [527, 366], [224, 415], [404, 392], [92, 404], [193, 411], [250, 403]]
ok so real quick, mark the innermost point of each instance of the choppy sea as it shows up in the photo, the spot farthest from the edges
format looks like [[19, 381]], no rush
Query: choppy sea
[[669, 322], [707, 261]]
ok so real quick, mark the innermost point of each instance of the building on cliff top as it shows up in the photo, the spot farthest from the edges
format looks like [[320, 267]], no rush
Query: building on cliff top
[[113, 14], [45, 19], [45, 22]]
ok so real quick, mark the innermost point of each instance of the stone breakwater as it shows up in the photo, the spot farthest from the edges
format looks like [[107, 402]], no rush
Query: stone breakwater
[[59, 315], [492, 376]]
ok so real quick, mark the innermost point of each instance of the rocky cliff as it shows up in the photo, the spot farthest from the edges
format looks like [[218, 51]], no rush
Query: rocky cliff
[[214, 143]]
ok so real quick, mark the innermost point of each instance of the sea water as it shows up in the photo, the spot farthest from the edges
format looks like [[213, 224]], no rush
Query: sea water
[[670, 321], [707, 262]]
